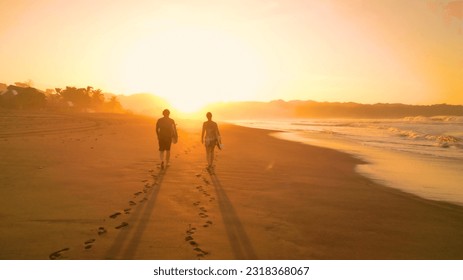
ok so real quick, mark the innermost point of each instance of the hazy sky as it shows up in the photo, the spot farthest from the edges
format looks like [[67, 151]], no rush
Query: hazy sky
[[192, 52]]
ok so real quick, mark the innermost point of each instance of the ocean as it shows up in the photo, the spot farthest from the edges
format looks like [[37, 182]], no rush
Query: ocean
[[418, 155]]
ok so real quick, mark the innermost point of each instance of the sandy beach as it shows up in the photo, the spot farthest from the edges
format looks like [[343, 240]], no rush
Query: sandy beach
[[89, 186]]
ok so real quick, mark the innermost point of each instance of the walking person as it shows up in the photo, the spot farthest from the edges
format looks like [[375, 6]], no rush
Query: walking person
[[166, 131], [210, 137]]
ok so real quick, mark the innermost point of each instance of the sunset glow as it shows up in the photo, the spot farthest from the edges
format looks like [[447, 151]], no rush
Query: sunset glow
[[209, 51], [192, 66]]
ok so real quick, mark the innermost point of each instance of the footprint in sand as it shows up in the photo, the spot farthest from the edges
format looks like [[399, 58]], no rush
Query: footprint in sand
[[127, 210], [88, 244], [202, 215], [137, 193], [90, 241], [190, 230], [207, 224], [131, 203], [101, 230], [123, 224], [196, 203], [201, 253], [113, 216], [189, 238], [57, 254]]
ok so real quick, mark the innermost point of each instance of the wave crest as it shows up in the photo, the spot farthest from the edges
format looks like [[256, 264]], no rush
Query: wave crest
[[457, 119]]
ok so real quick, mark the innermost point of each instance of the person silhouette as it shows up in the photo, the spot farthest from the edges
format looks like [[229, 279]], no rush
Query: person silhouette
[[166, 131], [210, 137]]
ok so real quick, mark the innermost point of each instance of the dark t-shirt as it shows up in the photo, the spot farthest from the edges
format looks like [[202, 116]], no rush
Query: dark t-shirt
[[165, 128]]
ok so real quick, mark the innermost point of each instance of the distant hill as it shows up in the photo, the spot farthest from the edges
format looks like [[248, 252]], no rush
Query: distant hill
[[313, 109], [25, 97]]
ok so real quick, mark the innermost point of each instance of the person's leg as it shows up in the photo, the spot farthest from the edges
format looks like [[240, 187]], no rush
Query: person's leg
[[161, 157], [208, 156], [168, 144], [212, 156], [167, 156], [162, 149]]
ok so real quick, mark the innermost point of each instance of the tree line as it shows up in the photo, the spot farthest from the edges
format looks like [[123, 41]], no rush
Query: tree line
[[24, 97]]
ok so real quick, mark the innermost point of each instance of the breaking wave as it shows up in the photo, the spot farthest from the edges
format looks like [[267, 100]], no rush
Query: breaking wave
[[455, 119], [444, 141]]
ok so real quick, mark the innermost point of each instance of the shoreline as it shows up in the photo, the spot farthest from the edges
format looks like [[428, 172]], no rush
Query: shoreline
[[420, 175], [98, 193], [429, 176]]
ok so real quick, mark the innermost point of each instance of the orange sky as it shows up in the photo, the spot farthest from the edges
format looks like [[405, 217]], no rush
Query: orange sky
[[193, 52]]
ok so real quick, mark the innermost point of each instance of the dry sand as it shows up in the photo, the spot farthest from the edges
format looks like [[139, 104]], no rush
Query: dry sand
[[89, 186]]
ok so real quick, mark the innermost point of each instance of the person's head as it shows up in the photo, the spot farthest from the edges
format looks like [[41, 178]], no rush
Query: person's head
[[166, 113], [209, 115]]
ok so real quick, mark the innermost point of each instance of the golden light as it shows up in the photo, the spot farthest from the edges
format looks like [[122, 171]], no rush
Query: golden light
[[193, 66]]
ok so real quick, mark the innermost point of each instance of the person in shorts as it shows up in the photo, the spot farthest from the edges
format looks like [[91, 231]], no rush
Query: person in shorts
[[210, 137], [166, 131]]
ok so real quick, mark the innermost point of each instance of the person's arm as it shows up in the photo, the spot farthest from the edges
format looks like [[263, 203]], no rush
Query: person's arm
[[219, 138], [157, 129], [202, 134], [174, 127], [217, 129]]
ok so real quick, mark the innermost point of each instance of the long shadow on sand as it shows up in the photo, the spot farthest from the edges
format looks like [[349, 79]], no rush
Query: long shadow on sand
[[239, 240], [127, 241]]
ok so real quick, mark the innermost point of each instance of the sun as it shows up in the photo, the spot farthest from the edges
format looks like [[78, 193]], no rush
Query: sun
[[193, 66]]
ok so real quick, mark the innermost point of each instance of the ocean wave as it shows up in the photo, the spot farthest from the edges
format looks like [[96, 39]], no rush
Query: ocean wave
[[405, 133], [414, 133], [443, 141], [325, 124], [447, 141], [455, 119]]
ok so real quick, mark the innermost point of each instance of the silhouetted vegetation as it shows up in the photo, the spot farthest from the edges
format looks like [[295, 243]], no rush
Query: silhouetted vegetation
[[16, 97], [22, 96]]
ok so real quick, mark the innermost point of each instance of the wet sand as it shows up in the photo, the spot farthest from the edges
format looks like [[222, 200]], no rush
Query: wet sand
[[89, 186]]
